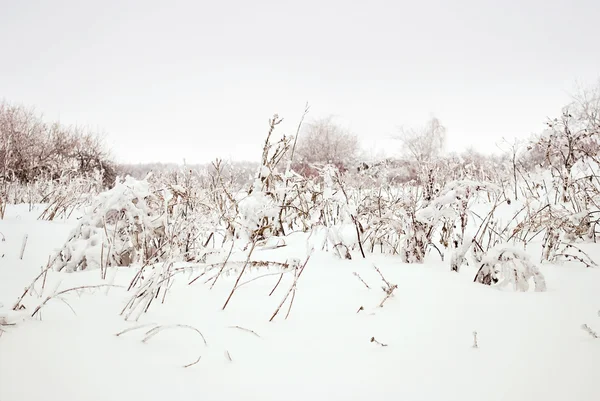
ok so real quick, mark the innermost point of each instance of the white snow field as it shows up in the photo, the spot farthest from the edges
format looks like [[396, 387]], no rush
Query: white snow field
[[530, 345]]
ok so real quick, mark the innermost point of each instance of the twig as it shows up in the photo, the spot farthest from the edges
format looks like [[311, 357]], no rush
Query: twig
[[245, 329], [66, 303], [23, 247], [360, 278], [291, 303], [590, 331], [291, 289], [56, 294], [389, 294], [17, 304], [306, 109], [45, 272], [240, 275], [570, 258], [362, 252], [222, 267], [141, 326], [263, 276], [373, 340], [389, 288], [152, 332], [274, 288], [193, 363], [387, 283]]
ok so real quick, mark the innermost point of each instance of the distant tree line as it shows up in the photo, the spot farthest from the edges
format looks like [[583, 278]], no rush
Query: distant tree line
[[31, 148], [237, 172]]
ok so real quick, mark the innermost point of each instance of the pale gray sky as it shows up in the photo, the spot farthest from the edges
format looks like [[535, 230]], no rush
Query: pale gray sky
[[168, 80]]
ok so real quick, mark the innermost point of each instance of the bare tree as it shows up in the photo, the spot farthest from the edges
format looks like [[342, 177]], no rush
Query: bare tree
[[30, 148], [423, 144], [572, 137], [324, 141], [513, 149]]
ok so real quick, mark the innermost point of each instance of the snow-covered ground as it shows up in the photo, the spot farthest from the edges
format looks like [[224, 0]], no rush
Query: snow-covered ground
[[531, 345]]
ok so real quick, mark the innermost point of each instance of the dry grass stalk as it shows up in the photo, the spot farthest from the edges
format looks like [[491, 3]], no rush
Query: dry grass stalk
[[389, 288], [18, 304], [291, 303], [23, 247], [58, 294], [292, 288], [245, 329], [193, 363], [252, 263], [154, 331], [389, 292], [373, 340], [362, 281], [263, 276], [276, 285], [141, 326], [240, 275], [222, 267], [157, 329], [590, 331]]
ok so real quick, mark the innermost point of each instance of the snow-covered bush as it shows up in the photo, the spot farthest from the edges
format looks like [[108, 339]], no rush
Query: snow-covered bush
[[259, 213], [446, 215], [503, 266], [569, 139], [31, 148], [126, 225], [69, 193]]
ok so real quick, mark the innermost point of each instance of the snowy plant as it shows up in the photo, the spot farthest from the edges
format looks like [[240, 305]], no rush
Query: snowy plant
[[340, 212], [260, 209], [459, 256], [503, 266], [573, 136], [447, 214], [124, 226], [69, 193], [590, 331]]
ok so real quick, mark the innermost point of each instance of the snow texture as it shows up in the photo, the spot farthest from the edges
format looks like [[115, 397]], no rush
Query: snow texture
[[533, 343]]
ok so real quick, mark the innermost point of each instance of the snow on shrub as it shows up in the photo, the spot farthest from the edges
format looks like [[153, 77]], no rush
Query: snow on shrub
[[278, 198], [125, 226], [503, 266], [257, 215], [446, 213]]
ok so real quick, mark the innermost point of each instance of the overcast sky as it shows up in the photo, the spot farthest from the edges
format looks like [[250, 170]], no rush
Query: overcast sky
[[168, 80]]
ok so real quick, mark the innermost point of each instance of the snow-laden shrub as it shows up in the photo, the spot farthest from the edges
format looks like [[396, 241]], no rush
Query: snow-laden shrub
[[571, 138], [70, 193], [447, 215], [259, 211], [459, 256], [416, 242], [125, 226], [335, 213], [279, 200], [196, 210], [258, 214], [503, 266]]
